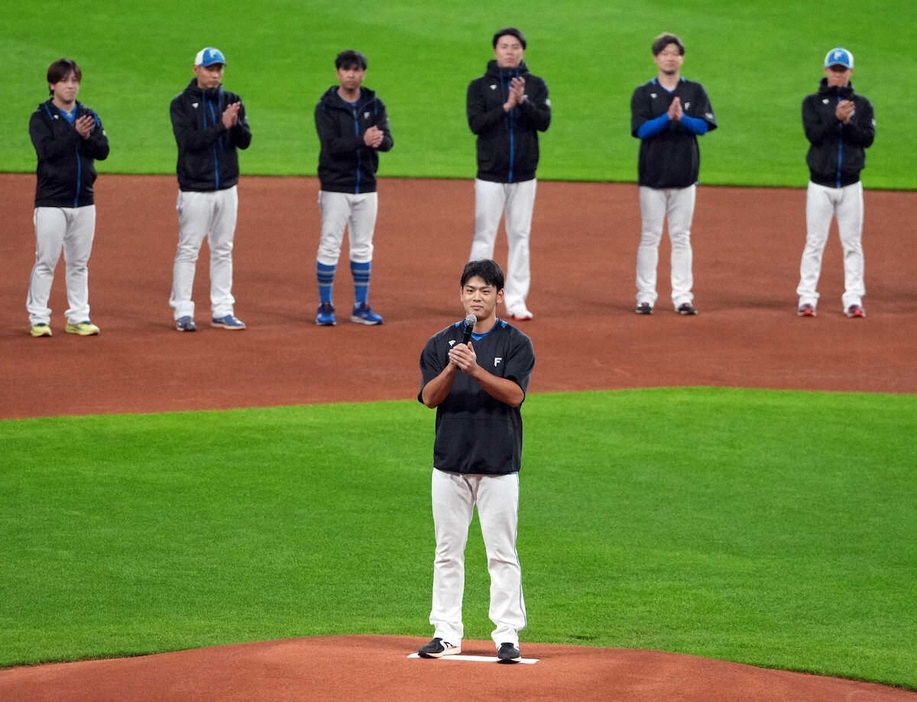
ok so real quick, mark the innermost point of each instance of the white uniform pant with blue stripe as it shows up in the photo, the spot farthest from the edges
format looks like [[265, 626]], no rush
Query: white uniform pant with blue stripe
[[212, 216], [357, 214], [822, 205], [70, 230], [497, 500], [656, 206], [517, 201]]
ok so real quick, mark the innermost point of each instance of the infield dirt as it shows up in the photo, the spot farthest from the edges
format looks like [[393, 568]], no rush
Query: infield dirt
[[747, 245]]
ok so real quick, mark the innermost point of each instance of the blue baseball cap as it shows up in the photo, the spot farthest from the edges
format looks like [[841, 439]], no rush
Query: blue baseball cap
[[839, 57], [209, 56]]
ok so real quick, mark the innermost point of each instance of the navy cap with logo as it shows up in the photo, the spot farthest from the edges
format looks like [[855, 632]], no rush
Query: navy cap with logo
[[209, 56], [839, 57]]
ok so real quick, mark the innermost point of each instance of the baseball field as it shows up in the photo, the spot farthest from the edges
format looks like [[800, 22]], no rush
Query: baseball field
[[735, 488]]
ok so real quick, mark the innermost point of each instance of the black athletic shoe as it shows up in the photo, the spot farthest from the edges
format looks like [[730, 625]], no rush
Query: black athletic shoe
[[437, 648], [508, 653], [687, 308], [644, 308]]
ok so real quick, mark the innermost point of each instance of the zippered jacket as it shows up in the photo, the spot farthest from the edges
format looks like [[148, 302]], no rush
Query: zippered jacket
[[66, 161], [837, 152], [507, 142], [670, 156], [207, 152], [346, 164]]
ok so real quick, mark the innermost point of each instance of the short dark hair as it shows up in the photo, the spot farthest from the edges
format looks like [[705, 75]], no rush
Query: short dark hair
[[511, 31], [62, 68], [486, 269], [666, 38], [349, 59]]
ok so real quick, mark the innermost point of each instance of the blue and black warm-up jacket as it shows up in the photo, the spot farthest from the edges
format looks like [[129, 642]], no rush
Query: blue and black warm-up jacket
[[66, 161], [346, 164], [207, 152], [837, 151], [507, 142]]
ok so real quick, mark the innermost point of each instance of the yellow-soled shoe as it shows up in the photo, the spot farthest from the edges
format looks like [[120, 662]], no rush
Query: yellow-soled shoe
[[41, 330], [86, 328]]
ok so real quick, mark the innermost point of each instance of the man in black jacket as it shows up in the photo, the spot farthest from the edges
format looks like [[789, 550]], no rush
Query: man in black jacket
[[209, 125], [506, 108], [68, 137], [840, 126], [353, 128], [668, 113]]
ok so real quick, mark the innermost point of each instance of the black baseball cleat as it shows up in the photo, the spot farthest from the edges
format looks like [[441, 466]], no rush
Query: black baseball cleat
[[687, 308], [508, 653], [437, 648], [644, 308]]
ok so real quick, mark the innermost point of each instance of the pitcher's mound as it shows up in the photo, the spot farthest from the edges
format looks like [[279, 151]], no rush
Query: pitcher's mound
[[380, 668]]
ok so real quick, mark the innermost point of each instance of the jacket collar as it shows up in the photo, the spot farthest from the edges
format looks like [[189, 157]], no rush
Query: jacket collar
[[332, 99], [842, 92], [505, 74]]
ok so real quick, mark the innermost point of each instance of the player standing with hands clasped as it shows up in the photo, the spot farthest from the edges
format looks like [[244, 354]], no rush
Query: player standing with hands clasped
[[477, 382], [840, 126], [353, 128], [209, 125], [506, 108], [68, 137], [668, 114]]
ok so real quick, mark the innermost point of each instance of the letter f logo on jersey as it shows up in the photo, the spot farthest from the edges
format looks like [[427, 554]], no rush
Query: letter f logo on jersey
[[497, 361]]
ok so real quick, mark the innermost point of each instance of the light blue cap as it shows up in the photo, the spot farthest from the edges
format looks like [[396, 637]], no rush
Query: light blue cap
[[209, 56], [839, 57]]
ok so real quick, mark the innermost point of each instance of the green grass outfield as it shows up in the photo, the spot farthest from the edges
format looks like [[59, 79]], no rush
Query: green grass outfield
[[772, 528], [757, 60]]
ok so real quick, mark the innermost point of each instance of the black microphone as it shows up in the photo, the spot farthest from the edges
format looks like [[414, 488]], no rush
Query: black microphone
[[470, 321]]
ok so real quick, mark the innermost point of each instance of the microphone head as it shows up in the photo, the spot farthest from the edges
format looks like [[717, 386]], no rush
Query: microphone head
[[470, 321]]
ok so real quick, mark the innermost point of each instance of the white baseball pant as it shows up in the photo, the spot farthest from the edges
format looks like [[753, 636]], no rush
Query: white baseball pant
[[497, 500], [517, 201], [822, 205], [57, 229], [657, 205], [356, 213], [212, 216]]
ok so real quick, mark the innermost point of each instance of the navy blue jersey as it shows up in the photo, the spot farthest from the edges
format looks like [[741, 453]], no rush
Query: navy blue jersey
[[476, 433], [671, 158]]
